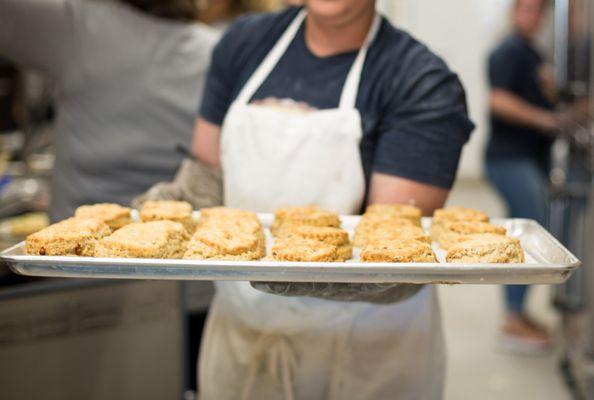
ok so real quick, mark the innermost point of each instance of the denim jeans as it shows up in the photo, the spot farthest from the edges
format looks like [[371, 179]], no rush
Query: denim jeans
[[522, 184]]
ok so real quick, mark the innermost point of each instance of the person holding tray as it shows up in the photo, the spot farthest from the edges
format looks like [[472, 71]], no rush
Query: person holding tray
[[328, 104]]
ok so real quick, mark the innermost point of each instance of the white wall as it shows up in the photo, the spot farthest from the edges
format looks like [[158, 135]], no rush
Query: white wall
[[462, 32]]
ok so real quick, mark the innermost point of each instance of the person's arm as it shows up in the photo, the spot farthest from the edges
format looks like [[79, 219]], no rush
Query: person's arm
[[387, 189], [37, 33], [510, 107], [206, 145]]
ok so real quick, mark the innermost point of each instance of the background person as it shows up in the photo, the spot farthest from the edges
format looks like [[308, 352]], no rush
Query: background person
[[128, 77], [523, 126]]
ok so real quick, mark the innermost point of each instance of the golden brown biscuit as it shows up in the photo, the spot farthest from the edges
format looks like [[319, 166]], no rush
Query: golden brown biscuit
[[448, 233], [344, 252], [457, 213], [398, 210], [326, 234], [241, 224], [454, 213], [299, 249], [169, 210], [226, 213], [334, 236], [226, 241], [372, 222], [153, 239], [71, 237], [486, 248], [112, 214], [396, 232], [398, 251], [290, 217]]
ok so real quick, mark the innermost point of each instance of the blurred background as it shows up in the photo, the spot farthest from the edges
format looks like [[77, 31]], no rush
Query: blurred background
[[132, 340]]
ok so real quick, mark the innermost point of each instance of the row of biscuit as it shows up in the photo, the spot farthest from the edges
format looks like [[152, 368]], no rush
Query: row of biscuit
[[385, 233], [469, 237], [107, 230], [393, 233]]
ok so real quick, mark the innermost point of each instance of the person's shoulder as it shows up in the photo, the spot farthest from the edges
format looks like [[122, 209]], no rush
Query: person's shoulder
[[510, 47], [403, 54]]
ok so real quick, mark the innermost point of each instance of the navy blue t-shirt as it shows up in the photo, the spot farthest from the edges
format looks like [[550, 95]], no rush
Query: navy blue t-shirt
[[413, 107], [514, 66]]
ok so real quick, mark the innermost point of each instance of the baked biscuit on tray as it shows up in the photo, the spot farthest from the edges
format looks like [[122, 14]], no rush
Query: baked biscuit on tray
[[153, 239], [369, 223], [450, 232], [70, 237], [112, 214], [290, 217], [454, 213], [300, 249], [168, 210], [325, 234], [398, 251], [405, 211], [397, 232], [221, 212], [486, 248], [225, 243]]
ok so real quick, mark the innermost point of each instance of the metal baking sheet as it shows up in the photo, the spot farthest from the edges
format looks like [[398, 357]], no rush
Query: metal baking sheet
[[547, 262]]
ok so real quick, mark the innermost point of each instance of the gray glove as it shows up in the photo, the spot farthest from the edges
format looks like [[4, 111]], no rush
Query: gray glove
[[381, 293], [194, 182]]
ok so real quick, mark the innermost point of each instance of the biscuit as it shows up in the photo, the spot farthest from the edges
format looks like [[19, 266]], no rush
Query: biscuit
[[486, 248], [153, 239], [226, 241], [247, 224], [299, 249], [169, 210], [344, 252], [71, 237], [326, 234], [112, 214], [405, 211], [226, 213], [290, 217], [454, 213], [398, 251], [457, 213], [372, 222], [387, 233], [448, 233]]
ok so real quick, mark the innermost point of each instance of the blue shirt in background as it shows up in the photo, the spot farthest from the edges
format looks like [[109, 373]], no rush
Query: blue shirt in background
[[514, 66], [413, 107]]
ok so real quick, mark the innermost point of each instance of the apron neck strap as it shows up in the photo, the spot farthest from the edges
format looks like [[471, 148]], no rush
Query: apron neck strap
[[348, 98], [270, 61], [351, 85]]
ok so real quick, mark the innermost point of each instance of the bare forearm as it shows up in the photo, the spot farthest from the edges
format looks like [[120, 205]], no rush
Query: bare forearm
[[512, 108], [206, 145], [386, 189]]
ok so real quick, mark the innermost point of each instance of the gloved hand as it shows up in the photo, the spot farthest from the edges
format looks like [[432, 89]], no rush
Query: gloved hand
[[194, 182], [380, 293]]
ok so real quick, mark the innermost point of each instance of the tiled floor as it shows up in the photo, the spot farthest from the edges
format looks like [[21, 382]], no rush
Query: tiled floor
[[476, 370]]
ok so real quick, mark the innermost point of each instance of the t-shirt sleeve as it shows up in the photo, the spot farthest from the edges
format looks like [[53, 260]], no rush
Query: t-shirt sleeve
[[222, 75], [37, 33], [503, 68], [425, 124]]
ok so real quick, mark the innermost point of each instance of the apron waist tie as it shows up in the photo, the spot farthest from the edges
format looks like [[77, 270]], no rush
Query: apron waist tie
[[281, 361]]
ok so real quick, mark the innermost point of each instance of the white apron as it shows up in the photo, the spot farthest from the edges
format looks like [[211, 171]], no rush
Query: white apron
[[261, 346]]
